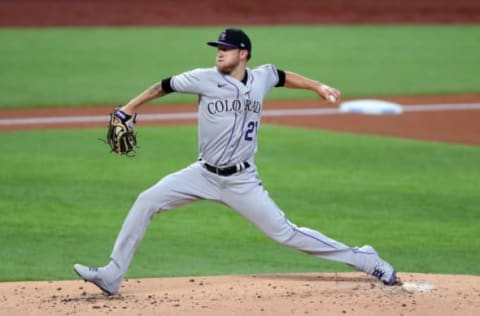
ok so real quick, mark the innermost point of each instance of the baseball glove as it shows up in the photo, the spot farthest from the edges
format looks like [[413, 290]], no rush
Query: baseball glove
[[120, 135]]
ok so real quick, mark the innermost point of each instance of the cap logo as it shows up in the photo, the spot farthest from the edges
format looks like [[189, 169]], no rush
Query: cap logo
[[223, 35], [242, 44]]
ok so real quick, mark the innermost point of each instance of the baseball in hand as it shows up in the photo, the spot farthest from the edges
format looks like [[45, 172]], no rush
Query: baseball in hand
[[331, 98]]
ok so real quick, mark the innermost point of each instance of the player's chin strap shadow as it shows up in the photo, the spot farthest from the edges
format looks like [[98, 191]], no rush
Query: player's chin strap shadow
[[130, 154]]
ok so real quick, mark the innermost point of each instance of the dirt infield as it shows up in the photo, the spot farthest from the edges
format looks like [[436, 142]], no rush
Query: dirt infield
[[292, 294], [276, 295], [452, 126]]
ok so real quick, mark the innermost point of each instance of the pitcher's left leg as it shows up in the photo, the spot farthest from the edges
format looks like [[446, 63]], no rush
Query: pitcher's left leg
[[257, 206]]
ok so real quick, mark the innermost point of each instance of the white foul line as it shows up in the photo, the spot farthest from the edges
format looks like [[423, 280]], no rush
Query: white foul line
[[194, 115], [441, 107]]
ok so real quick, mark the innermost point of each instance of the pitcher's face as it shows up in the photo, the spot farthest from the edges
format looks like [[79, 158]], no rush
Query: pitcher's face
[[228, 58]]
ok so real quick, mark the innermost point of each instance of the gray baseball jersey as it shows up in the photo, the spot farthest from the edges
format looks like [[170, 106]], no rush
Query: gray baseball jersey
[[229, 111]]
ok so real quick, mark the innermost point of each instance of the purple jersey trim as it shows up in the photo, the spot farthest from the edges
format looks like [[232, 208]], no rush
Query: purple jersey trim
[[234, 122], [297, 230], [239, 138], [313, 237], [243, 126], [363, 252]]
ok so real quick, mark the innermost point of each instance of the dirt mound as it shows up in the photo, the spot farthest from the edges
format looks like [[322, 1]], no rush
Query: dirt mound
[[279, 294]]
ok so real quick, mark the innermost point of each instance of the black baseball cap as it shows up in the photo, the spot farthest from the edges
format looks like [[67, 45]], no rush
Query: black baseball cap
[[235, 38]]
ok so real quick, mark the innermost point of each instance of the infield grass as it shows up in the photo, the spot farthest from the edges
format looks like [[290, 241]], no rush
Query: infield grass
[[64, 198], [78, 66]]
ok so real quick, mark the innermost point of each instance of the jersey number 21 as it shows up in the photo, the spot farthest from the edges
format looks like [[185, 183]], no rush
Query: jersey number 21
[[251, 130]]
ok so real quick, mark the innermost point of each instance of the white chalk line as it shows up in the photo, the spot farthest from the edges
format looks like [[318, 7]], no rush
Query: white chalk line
[[194, 115]]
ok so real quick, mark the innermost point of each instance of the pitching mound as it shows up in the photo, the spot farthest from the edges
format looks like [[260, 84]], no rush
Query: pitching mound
[[281, 294]]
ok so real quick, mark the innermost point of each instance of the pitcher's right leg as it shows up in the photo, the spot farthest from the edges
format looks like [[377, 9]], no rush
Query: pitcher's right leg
[[172, 191]]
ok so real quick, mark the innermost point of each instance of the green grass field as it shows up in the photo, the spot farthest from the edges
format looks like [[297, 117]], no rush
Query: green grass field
[[76, 66], [64, 197]]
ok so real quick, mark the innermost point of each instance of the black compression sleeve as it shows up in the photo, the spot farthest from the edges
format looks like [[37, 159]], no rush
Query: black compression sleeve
[[281, 78], [166, 86]]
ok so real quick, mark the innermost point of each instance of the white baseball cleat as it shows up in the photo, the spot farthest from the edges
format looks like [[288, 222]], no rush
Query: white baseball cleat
[[107, 280], [376, 266]]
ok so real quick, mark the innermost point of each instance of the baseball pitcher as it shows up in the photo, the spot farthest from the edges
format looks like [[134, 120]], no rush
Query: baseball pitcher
[[229, 116]]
